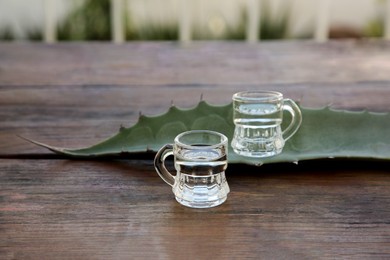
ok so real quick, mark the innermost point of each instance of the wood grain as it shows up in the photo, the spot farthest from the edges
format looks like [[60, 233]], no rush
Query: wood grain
[[156, 63], [76, 94], [123, 210]]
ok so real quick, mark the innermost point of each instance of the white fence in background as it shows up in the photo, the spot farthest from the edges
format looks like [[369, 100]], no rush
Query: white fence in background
[[185, 21], [387, 21]]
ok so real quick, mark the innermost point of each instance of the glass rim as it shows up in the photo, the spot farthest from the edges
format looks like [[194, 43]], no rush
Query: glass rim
[[223, 140], [258, 96]]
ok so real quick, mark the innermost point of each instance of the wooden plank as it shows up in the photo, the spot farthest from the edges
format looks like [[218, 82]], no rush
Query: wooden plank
[[201, 63], [77, 116], [91, 210]]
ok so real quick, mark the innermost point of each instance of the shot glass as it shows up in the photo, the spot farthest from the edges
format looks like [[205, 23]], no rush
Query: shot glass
[[200, 160], [258, 117]]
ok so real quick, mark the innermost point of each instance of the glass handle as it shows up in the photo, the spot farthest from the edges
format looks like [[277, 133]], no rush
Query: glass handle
[[296, 119], [159, 164]]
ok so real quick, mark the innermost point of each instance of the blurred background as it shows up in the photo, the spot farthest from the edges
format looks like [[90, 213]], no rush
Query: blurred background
[[92, 20]]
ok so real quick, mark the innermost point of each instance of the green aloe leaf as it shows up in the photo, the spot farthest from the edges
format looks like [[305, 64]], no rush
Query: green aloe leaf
[[324, 133]]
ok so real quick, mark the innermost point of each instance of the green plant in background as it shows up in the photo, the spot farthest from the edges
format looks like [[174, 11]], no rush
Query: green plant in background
[[6, 34], [154, 32], [90, 21], [376, 26], [274, 26], [34, 34], [238, 31]]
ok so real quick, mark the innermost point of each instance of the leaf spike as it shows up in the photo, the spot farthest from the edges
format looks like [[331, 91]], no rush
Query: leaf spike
[[300, 98], [172, 104], [140, 113], [259, 164], [201, 97]]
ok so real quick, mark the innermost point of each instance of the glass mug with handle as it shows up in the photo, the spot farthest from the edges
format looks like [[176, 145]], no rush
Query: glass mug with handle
[[258, 116], [200, 159]]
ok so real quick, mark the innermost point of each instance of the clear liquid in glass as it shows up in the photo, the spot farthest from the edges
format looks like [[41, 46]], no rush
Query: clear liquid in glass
[[200, 179], [257, 130]]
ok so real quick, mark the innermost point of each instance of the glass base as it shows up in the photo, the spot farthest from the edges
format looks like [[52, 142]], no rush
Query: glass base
[[201, 191], [201, 204], [258, 142], [263, 154]]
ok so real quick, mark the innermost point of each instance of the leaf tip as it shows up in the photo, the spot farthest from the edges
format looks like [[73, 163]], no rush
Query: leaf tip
[[51, 148]]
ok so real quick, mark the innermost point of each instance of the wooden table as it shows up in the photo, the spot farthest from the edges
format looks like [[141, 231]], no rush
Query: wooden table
[[76, 94]]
